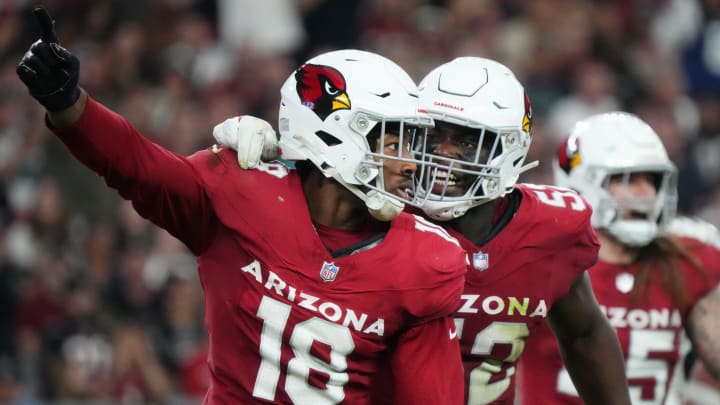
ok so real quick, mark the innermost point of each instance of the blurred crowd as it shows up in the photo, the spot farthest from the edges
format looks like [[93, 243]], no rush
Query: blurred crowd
[[98, 305]]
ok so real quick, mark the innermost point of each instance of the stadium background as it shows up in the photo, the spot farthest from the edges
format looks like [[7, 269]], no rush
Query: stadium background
[[97, 305]]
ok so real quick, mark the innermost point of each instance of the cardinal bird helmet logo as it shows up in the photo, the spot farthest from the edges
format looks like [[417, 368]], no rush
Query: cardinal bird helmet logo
[[568, 154], [527, 117], [322, 89]]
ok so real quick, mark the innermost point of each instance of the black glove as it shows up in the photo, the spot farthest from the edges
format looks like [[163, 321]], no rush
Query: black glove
[[48, 70]]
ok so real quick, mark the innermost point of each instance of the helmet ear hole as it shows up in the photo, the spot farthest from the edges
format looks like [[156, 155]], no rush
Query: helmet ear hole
[[372, 138], [327, 138], [489, 144]]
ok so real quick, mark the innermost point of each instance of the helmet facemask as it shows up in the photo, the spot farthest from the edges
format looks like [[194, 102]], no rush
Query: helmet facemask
[[637, 220], [391, 141], [464, 166], [482, 104]]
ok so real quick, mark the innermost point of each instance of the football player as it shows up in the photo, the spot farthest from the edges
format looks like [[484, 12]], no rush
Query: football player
[[306, 292], [657, 275], [530, 244]]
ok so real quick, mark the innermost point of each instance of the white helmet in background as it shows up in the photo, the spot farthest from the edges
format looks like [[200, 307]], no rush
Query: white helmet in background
[[619, 144], [330, 105], [483, 99]]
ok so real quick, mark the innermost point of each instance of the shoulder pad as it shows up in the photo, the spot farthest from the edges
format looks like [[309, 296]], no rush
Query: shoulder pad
[[697, 229]]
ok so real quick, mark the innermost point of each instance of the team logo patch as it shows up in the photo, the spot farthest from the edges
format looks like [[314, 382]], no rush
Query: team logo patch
[[329, 271], [624, 282], [569, 154], [527, 117], [480, 261], [322, 89]]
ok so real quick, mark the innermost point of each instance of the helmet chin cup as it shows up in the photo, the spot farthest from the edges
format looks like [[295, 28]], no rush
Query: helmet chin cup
[[446, 210], [383, 207], [633, 233]]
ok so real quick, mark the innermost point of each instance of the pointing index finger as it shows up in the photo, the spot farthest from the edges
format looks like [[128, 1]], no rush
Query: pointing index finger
[[47, 25]]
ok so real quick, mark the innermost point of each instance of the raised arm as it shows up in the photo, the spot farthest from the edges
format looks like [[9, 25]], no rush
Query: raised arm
[[164, 187], [589, 346]]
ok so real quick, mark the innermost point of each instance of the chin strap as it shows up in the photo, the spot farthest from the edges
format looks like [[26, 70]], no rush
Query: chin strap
[[633, 233], [528, 166]]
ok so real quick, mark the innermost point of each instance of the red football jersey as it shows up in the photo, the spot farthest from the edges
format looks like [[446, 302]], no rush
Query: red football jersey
[[513, 281], [649, 332], [287, 322]]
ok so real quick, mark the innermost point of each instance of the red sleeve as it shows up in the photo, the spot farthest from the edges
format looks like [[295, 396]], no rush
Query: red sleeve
[[426, 367], [586, 247], [576, 255], [163, 186]]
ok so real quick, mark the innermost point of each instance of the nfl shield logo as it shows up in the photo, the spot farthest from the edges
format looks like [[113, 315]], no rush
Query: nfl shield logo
[[329, 271], [480, 261]]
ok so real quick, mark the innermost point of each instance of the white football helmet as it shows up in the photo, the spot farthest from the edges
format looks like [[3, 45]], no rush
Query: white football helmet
[[331, 104], [612, 144], [483, 100]]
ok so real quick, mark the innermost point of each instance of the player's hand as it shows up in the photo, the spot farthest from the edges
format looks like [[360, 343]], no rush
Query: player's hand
[[252, 138], [48, 70]]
